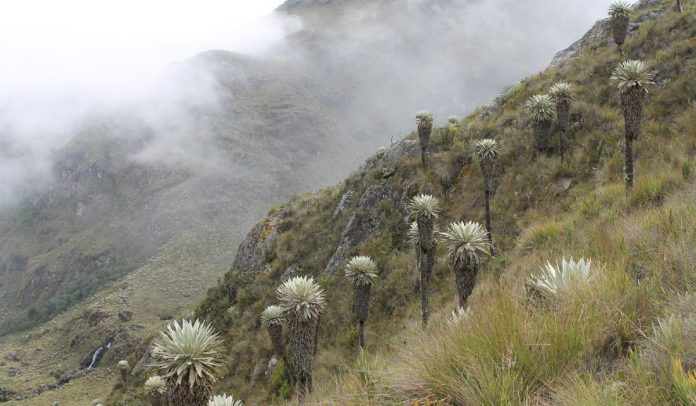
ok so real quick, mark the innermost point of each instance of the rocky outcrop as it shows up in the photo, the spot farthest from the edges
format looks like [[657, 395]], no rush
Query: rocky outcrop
[[597, 31], [600, 29], [144, 361], [250, 253], [396, 151], [367, 219], [342, 205]]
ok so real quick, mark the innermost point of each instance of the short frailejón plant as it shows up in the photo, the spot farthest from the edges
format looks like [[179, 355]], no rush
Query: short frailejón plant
[[487, 152], [424, 121], [563, 97], [273, 318], [425, 210], [224, 400], [304, 302], [540, 112], [189, 355], [123, 368], [361, 272], [465, 243], [554, 279], [620, 14], [156, 390], [678, 7], [632, 79]]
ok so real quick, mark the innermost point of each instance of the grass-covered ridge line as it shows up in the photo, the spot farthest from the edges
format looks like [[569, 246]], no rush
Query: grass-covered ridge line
[[626, 336]]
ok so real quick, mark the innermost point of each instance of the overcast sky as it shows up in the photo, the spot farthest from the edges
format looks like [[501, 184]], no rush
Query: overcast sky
[[102, 45]]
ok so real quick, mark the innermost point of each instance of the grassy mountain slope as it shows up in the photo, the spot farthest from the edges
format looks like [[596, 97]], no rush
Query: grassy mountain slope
[[152, 194], [609, 342]]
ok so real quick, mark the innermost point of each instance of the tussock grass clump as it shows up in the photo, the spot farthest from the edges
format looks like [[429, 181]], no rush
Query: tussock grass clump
[[651, 190]]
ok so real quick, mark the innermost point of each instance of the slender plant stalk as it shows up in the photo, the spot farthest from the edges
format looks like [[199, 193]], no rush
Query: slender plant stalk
[[489, 227]]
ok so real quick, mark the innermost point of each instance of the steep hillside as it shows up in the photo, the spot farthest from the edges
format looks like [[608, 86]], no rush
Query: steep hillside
[[146, 202], [234, 134], [614, 340]]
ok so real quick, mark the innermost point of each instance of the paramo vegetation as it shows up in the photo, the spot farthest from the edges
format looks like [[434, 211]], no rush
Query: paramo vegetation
[[468, 292]]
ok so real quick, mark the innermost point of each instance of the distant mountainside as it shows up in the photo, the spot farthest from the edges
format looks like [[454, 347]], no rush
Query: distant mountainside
[[144, 214]]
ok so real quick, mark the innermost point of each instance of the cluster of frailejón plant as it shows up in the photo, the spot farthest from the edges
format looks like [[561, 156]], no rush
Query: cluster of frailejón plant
[[554, 279], [188, 353], [425, 209], [224, 400], [632, 79], [540, 112], [424, 122], [465, 243], [620, 14], [304, 302], [361, 271]]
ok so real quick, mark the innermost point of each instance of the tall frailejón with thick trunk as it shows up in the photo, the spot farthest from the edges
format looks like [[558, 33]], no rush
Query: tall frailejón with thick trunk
[[425, 209], [540, 113], [465, 243], [632, 78], [303, 302], [424, 121], [563, 96], [620, 14], [487, 153], [361, 271]]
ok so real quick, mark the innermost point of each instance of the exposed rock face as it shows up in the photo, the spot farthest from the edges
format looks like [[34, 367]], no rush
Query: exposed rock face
[[597, 31], [251, 251], [144, 361], [346, 199], [398, 150], [367, 219]]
